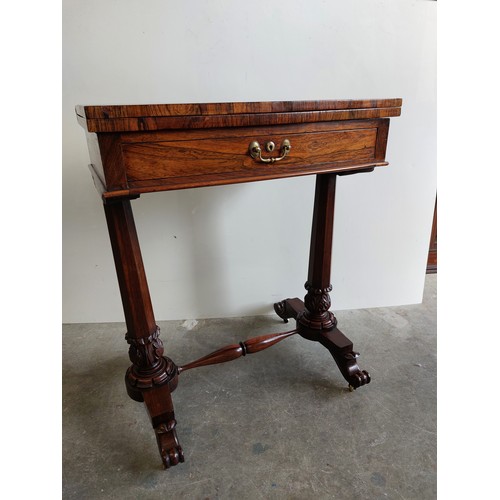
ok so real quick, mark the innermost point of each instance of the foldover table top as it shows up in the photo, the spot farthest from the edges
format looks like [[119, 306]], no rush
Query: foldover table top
[[143, 148], [148, 117]]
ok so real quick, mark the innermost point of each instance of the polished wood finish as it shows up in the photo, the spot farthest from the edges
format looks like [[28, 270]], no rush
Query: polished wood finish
[[146, 148], [130, 269], [134, 118], [432, 256], [218, 154], [152, 377], [314, 319], [230, 108], [235, 351]]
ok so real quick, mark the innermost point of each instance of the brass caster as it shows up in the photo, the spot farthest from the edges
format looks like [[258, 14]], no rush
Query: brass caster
[[351, 388]]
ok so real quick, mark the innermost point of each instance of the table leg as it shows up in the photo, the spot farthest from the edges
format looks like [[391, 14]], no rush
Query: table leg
[[314, 319], [152, 377]]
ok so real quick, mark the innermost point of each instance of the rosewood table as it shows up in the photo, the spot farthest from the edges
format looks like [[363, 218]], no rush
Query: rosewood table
[[137, 149]]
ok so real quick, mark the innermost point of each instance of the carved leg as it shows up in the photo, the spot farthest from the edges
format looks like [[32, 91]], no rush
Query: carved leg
[[317, 322], [152, 377]]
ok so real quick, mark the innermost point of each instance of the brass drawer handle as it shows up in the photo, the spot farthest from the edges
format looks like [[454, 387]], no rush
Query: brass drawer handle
[[256, 151]]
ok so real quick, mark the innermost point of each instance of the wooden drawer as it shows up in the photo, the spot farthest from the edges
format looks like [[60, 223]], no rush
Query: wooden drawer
[[177, 159], [138, 149]]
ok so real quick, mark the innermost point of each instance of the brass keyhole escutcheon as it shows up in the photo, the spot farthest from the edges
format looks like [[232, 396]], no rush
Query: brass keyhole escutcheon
[[270, 146]]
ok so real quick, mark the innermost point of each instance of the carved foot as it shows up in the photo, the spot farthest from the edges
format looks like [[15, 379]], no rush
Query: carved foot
[[159, 404], [170, 450], [289, 308], [340, 348], [351, 372], [280, 310]]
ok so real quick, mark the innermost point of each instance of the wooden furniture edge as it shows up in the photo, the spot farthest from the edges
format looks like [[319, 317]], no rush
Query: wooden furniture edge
[[170, 116], [157, 185], [229, 108]]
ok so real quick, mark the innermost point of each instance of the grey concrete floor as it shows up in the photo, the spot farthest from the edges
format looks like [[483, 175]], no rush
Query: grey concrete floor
[[277, 424]]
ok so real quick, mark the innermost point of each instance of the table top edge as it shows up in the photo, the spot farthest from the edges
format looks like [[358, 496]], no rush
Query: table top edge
[[115, 111]]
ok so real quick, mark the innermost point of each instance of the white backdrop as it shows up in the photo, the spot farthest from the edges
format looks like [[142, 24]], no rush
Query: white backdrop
[[234, 250]]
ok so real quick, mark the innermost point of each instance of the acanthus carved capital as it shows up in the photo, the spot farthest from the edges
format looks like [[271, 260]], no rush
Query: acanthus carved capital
[[317, 300], [145, 352]]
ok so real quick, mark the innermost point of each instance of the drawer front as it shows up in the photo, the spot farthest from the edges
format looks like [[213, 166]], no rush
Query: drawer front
[[191, 159]]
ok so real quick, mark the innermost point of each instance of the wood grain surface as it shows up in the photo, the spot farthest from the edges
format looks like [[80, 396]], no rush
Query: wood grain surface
[[143, 148], [177, 116]]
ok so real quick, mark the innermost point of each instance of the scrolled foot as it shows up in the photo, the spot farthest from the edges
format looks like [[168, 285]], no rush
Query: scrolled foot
[[341, 349], [168, 444], [289, 308], [351, 372], [358, 379], [280, 309]]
